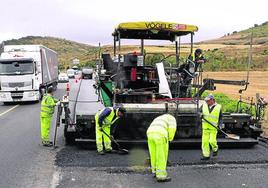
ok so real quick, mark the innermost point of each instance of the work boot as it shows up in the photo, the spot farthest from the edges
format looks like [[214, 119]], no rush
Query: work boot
[[205, 158], [47, 144], [166, 179], [110, 151], [215, 153], [101, 152]]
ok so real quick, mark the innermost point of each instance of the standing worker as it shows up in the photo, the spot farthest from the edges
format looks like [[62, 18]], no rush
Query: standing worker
[[104, 119], [47, 110], [160, 132], [198, 58], [211, 111]]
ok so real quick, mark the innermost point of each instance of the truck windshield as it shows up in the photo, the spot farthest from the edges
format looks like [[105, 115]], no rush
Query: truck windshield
[[16, 67]]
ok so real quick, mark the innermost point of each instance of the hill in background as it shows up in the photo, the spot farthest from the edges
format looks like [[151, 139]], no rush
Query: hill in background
[[227, 53], [67, 50], [260, 35], [231, 51]]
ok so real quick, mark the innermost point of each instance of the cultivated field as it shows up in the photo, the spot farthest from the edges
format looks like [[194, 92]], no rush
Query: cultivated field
[[258, 84]]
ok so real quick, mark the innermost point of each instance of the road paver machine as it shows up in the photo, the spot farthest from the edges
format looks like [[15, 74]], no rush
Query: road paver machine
[[148, 90]]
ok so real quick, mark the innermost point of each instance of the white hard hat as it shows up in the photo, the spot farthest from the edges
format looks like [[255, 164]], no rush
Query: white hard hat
[[210, 96]]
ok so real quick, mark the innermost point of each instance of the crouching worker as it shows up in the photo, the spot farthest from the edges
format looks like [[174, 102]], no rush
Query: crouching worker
[[159, 133], [104, 119], [47, 110]]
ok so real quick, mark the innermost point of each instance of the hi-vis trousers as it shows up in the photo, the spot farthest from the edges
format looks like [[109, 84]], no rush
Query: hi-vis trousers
[[100, 136], [45, 129], [209, 138], [158, 149]]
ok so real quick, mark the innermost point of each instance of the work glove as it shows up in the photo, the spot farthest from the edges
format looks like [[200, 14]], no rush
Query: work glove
[[201, 61]]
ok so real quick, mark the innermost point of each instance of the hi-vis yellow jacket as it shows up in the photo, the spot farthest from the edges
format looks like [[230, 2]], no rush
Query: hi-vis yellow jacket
[[212, 116], [164, 125], [47, 106], [107, 116]]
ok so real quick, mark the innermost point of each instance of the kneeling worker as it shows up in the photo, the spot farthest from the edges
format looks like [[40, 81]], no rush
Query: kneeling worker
[[47, 110], [104, 119], [160, 132]]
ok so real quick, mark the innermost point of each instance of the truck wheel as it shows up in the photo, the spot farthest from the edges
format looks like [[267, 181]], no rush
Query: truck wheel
[[69, 137]]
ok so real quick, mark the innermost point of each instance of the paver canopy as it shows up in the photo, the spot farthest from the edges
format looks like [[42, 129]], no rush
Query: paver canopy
[[153, 30]]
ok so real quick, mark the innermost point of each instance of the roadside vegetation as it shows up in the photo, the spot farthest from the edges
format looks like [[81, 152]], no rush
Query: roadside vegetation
[[230, 105], [225, 59]]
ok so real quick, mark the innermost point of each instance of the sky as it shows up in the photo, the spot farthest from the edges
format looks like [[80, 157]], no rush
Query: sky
[[93, 21]]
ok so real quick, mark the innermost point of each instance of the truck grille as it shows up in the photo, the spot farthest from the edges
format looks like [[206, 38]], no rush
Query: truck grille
[[16, 84], [17, 95]]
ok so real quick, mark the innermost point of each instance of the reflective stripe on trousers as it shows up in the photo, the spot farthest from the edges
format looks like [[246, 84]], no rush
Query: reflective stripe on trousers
[[158, 149], [45, 128], [100, 136], [209, 138]]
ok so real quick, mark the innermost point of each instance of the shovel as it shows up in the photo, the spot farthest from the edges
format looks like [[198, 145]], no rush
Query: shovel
[[231, 136], [120, 150]]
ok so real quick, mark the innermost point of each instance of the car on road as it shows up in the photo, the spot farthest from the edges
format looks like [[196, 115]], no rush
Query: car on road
[[71, 73], [63, 77], [87, 73]]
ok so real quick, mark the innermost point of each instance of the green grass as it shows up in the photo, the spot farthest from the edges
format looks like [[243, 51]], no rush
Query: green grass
[[258, 30], [218, 61]]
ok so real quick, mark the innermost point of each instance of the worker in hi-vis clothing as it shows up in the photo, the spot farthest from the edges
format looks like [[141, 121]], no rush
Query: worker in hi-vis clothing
[[103, 120], [160, 132], [198, 58], [211, 111], [47, 110]]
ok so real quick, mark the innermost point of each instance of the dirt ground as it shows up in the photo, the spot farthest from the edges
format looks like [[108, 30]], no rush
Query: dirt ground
[[265, 124], [258, 84]]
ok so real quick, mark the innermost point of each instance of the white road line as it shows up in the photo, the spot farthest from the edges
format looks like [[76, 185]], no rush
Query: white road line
[[55, 179], [9, 110]]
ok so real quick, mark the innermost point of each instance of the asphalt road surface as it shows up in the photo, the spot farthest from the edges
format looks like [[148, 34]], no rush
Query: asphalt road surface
[[24, 163]]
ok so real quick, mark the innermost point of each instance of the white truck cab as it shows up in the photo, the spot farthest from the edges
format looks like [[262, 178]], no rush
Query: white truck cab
[[26, 71]]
